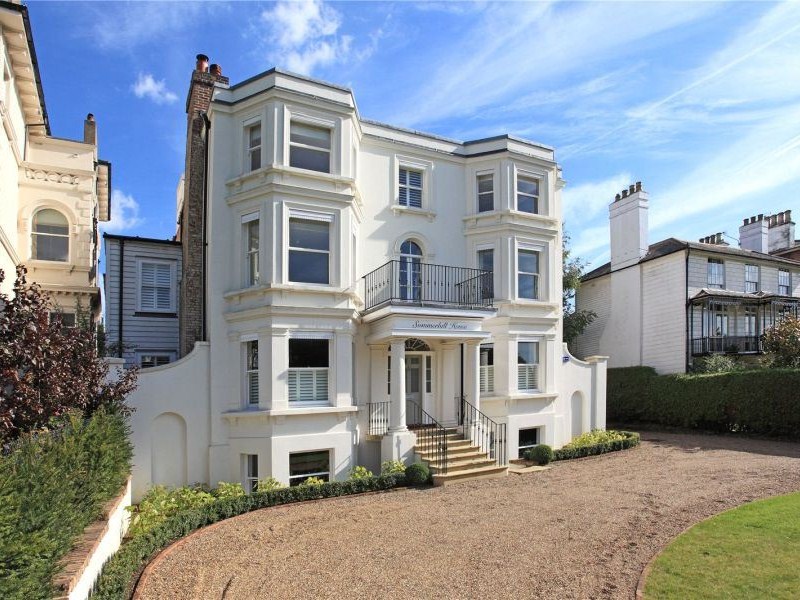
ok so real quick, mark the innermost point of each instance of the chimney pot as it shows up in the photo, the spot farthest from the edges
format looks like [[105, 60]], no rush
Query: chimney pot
[[90, 130], [788, 216], [745, 222], [631, 188], [90, 117], [624, 193], [617, 197], [638, 186], [216, 70], [202, 63]]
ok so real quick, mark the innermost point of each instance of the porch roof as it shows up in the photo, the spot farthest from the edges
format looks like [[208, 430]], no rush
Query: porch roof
[[759, 297]]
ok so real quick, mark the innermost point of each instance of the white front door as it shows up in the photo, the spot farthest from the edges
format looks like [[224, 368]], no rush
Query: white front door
[[414, 389]]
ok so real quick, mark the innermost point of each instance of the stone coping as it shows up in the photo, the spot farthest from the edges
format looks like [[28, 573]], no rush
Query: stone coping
[[74, 563]]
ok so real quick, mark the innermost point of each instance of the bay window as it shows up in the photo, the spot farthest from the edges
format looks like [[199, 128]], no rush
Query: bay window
[[485, 193], [528, 194], [251, 249], [309, 251], [308, 371], [50, 236], [528, 274], [251, 372], [528, 366], [310, 147], [253, 136]]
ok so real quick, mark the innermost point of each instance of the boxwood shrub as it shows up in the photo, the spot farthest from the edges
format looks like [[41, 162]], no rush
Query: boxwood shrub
[[120, 574], [759, 401], [629, 439], [52, 485]]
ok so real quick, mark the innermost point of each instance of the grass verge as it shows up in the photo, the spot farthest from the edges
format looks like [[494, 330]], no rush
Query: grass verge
[[748, 552]]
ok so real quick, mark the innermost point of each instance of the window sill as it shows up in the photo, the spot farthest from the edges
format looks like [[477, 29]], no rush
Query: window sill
[[301, 288], [277, 168], [399, 209], [289, 412], [156, 314]]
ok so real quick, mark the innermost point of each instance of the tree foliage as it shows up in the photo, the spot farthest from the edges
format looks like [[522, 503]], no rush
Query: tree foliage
[[782, 343], [47, 370], [575, 321]]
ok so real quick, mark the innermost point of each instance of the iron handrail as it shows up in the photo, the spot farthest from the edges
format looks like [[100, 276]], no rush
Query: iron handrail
[[431, 436], [378, 418], [483, 431]]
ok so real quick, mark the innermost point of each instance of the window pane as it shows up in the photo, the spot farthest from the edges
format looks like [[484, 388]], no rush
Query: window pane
[[486, 260], [415, 179], [308, 267], [411, 248], [485, 183], [255, 159], [526, 186], [308, 353], [414, 198], [313, 160], [308, 234], [528, 261], [485, 202], [50, 221], [487, 356], [527, 204], [529, 437], [254, 136], [303, 464], [527, 287], [527, 353], [50, 247], [310, 135]]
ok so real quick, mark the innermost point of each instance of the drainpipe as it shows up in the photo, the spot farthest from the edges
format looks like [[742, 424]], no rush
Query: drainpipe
[[120, 292], [686, 295]]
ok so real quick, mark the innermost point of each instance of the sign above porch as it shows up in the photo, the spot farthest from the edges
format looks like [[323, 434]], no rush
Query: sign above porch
[[394, 326]]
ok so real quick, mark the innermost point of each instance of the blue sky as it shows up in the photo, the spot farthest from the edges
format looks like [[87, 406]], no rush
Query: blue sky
[[699, 101]]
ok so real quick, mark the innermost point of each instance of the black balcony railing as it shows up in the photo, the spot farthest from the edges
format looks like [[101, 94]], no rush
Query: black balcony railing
[[416, 284], [729, 344]]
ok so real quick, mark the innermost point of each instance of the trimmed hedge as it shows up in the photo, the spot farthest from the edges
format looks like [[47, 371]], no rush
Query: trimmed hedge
[[759, 401], [121, 572], [52, 485], [630, 440]]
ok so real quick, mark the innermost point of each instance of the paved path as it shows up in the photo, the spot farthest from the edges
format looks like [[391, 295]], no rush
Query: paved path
[[583, 529]]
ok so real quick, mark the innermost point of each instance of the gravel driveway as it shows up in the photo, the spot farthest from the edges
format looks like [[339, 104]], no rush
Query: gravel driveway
[[583, 529]]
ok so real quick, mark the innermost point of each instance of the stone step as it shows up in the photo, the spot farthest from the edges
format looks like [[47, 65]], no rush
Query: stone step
[[464, 464], [452, 453], [470, 474], [454, 443]]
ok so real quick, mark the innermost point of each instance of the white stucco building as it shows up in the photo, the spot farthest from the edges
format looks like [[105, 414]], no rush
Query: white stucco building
[[666, 304], [53, 191], [369, 293]]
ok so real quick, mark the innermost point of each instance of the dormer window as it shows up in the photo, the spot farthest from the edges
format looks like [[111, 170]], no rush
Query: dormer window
[[310, 147], [410, 188]]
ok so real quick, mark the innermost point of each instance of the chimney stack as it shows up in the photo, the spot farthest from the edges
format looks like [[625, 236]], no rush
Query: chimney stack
[[629, 224], [781, 231], [90, 130]]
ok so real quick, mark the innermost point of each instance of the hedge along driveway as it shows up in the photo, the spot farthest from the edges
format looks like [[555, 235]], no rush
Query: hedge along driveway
[[761, 401], [584, 528]]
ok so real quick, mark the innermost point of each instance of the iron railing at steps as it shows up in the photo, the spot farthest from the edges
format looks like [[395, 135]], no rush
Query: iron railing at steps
[[431, 436], [417, 284], [482, 431], [378, 418]]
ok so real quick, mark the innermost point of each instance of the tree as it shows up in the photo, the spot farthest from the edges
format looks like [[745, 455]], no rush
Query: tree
[[45, 369], [575, 321], [782, 343]]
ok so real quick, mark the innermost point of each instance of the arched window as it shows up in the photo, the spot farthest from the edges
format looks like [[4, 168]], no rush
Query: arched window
[[50, 236], [410, 270]]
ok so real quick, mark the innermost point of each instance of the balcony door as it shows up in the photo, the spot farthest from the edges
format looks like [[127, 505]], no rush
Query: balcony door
[[410, 271]]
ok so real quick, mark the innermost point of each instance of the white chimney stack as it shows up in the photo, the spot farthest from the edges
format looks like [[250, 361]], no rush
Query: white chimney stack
[[754, 234], [628, 220], [781, 231]]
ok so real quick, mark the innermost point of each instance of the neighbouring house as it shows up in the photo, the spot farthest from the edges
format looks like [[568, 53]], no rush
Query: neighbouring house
[[666, 304], [353, 292], [54, 191], [141, 283]]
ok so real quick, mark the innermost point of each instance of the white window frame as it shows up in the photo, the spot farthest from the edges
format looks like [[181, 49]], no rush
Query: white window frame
[[333, 266], [140, 354], [535, 369], [538, 277], [251, 279], [250, 479], [408, 187], [747, 270], [413, 164], [249, 372], [537, 199], [788, 284], [486, 372], [316, 372], [248, 150], [721, 266], [478, 176], [300, 120], [67, 236], [307, 475], [172, 267]]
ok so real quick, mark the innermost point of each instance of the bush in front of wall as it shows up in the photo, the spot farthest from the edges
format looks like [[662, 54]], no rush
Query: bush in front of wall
[[120, 572], [359, 472], [312, 481], [611, 442], [716, 363], [541, 454], [392, 467], [417, 474]]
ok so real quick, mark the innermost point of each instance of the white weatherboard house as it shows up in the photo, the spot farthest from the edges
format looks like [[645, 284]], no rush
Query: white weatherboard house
[[370, 293], [664, 305]]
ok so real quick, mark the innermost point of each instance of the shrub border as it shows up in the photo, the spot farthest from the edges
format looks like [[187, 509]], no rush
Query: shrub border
[[120, 576], [631, 440]]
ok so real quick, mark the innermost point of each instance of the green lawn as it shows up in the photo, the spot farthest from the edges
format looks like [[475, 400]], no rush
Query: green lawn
[[749, 552]]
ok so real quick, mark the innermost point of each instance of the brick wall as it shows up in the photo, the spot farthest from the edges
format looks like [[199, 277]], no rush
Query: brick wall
[[192, 217]]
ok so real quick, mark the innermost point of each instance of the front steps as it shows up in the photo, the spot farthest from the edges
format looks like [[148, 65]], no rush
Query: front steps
[[464, 461]]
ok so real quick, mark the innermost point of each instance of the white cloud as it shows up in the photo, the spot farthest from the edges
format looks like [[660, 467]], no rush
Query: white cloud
[[124, 213], [146, 86], [305, 35], [585, 201]]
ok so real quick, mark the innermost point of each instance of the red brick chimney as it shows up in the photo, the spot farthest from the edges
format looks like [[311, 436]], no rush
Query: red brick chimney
[[192, 217]]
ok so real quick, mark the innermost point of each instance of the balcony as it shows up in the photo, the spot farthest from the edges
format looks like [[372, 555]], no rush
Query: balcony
[[410, 283]]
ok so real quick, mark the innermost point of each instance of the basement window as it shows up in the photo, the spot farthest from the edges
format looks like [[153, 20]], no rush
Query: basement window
[[303, 465], [528, 438]]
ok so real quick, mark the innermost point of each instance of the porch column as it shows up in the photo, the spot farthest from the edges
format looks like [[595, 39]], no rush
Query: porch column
[[472, 379], [397, 405]]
